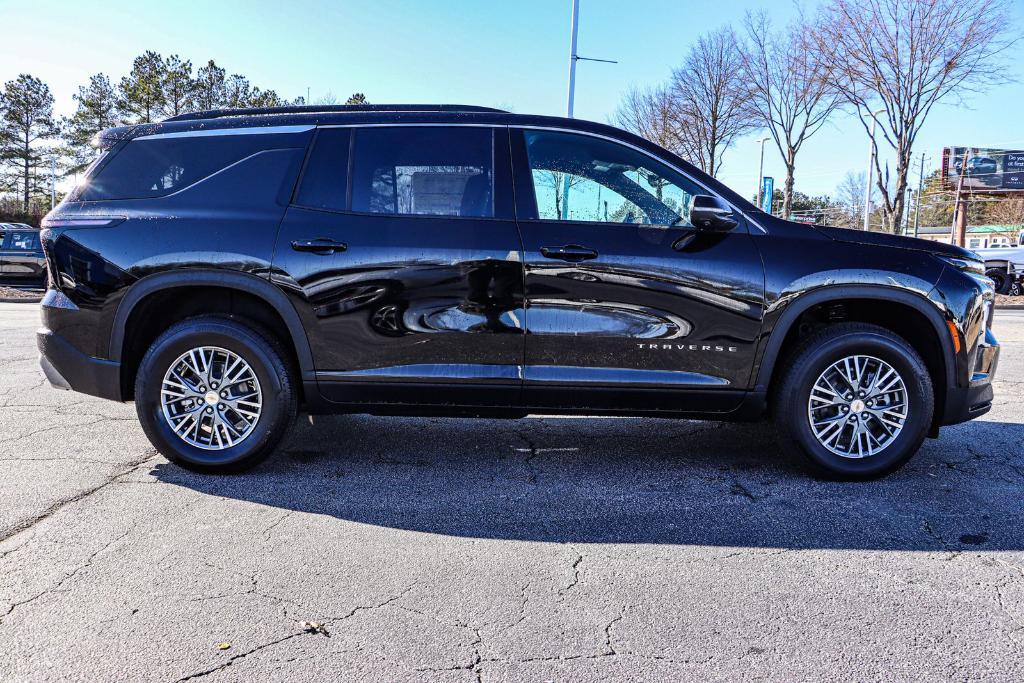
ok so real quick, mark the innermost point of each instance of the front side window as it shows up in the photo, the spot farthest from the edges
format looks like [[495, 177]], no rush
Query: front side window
[[434, 171], [582, 178]]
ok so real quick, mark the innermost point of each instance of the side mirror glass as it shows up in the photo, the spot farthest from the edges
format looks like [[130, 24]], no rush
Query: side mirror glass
[[711, 214]]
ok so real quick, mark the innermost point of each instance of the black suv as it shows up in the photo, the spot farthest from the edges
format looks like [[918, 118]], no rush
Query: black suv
[[225, 268]]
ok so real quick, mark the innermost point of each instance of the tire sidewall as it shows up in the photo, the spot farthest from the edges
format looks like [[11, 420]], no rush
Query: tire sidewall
[[237, 339], [919, 395]]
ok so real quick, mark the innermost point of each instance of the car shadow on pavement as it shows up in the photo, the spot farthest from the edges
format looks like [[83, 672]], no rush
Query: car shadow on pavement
[[592, 480]]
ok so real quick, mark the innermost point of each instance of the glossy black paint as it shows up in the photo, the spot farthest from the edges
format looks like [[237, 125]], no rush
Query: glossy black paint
[[466, 315]]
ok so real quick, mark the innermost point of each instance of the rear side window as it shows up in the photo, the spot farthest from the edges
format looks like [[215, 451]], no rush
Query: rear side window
[[434, 171], [157, 167], [21, 241]]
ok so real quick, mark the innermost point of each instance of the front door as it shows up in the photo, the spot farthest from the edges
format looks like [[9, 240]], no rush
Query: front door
[[628, 307], [402, 255]]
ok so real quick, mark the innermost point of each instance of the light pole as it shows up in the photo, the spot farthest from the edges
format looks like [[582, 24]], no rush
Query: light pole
[[574, 28], [760, 170], [871, 165], [920, 189], [570, 100]]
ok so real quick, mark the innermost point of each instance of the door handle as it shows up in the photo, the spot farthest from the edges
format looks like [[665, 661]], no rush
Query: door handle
[[320, 245], [573, 253]]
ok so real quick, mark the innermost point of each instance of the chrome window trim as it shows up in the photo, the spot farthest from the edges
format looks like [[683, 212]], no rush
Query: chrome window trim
[[557, 129], [212, 132]]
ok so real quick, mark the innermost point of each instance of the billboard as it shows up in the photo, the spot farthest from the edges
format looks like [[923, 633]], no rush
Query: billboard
[[985, 170]]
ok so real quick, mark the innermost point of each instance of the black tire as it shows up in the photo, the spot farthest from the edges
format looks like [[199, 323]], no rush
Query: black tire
[[811, 358], [1000, 279], [269, 362]]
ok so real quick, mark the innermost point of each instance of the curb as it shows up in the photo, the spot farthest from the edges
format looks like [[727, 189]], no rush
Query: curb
[[1011, 307], [20, 300]]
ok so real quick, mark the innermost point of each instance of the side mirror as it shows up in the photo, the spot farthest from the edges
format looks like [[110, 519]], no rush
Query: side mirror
[[711, 214]]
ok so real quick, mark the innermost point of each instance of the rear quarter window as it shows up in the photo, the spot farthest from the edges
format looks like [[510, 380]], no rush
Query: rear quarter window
[[157, 167]]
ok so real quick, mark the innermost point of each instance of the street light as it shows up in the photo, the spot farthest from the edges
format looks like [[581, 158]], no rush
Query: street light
[[871, 167], [570, 100], [760, 170], [573, 57]]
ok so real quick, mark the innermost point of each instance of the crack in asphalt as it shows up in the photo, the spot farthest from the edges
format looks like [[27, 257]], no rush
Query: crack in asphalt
[[61, 504], [67, 577], [575, 576], [241, 655]]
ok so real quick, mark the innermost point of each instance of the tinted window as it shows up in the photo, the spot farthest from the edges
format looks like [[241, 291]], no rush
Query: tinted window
[[434, 171], [158, 167], [325, 180], [582, 178], [22, 241]]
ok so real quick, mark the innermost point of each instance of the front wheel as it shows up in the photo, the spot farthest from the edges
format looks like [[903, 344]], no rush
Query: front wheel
[[855, 399], [213, 394]]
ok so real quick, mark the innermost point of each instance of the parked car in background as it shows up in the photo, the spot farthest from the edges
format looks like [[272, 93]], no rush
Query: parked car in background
[[1005, 265], [22, 262], [224, 268]]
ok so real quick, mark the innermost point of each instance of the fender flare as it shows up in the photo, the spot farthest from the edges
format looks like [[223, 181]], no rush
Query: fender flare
[[838, 293], [244, 282]]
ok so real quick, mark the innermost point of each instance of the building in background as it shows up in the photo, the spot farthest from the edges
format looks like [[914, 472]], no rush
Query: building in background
[[978, 236]]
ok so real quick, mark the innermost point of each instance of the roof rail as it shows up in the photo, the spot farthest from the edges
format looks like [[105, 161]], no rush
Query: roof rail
[[330, 109]]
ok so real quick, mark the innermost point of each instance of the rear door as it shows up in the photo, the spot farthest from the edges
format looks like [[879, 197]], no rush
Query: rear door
[[402, 255], [628, 307]]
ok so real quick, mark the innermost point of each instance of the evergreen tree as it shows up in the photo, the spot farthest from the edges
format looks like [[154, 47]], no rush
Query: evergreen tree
[[209, 87], [26, 120], [176, 85], [141, 91], [356, 98], [97, 110]]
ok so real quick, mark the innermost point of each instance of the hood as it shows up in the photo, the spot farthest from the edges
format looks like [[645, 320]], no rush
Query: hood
[[884, 239]]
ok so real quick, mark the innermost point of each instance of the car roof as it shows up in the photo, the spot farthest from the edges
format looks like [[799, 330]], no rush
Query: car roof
[[400, 114]]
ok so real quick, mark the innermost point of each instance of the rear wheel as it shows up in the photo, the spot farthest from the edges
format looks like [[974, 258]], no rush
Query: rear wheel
[[855, 400], [214, 394]]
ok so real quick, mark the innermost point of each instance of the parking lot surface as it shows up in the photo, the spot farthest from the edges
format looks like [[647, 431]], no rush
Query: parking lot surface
[[460, 550]]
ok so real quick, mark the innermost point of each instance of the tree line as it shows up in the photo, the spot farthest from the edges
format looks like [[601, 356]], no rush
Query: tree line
[[886, 63], [32, 137]]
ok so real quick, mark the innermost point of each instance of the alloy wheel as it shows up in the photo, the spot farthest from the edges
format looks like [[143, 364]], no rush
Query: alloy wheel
[[858, 406], [211, 398]]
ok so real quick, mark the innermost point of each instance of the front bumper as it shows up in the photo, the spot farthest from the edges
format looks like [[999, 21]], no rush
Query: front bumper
[[68, 368], [974, 400]]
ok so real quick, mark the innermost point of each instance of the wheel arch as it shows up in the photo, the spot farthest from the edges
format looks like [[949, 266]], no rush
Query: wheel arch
[[247, 284], [842, 294]]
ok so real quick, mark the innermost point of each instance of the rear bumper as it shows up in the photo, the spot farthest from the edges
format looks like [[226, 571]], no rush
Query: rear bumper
[[974, 400], [68, 368]]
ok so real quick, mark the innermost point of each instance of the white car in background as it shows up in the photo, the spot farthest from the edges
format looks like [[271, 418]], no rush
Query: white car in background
[[1005, 265]]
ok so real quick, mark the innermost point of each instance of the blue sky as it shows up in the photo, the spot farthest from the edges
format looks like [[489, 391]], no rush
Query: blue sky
[[506, 54]]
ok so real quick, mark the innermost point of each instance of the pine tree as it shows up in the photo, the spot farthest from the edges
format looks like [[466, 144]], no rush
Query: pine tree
[[209, 87], [141, 91], [176, 85], [26, 120], [97, 110], [356, 98]]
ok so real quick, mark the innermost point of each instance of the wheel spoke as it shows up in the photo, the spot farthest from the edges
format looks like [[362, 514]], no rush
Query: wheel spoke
[[218, 419], [866, 416]]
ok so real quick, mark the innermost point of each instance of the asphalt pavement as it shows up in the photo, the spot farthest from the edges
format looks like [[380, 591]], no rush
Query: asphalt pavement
[[583, 549]]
